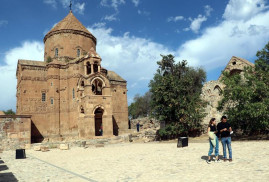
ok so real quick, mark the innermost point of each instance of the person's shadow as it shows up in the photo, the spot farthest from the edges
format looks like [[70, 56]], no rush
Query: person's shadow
[[205, 157]]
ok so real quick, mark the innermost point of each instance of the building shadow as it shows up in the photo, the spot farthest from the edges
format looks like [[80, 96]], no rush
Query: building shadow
[[115, 127], [6, 177], [129, 124], [3, 167], [36, 136]]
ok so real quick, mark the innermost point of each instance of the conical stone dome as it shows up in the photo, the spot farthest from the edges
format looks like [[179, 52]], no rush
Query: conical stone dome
[[67, 37]]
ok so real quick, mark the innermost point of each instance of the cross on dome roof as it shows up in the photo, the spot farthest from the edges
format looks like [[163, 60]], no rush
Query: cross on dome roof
[[70, 6]]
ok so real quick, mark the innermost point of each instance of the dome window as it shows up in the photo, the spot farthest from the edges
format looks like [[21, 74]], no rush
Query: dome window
[[73, 93], [78, 52], [56, 52]]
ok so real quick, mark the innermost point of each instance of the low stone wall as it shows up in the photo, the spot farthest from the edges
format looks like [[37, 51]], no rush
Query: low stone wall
[[15, 131], [145, 123]]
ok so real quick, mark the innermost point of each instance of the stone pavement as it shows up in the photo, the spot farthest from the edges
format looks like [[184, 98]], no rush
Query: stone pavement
[[154, 161], [33, 169]]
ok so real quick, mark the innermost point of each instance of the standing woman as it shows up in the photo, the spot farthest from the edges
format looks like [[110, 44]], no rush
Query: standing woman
[[213, 140]]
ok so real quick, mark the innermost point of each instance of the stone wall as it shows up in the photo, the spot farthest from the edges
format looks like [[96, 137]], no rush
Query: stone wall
[[15, 131], [211, 91]]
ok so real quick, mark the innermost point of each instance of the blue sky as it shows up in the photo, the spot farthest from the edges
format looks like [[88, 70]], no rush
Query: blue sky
[[131, 35]]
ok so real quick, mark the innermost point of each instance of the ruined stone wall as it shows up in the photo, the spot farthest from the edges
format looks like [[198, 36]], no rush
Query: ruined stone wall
[[15, 131], [211, 91]]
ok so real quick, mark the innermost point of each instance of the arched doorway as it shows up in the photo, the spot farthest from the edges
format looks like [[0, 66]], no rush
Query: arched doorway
[[98, 114]]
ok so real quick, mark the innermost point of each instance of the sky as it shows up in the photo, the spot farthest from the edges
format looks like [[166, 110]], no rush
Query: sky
[[132, 34]]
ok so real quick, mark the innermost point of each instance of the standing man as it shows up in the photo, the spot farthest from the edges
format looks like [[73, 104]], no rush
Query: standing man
[[137, 126], [224, 128]]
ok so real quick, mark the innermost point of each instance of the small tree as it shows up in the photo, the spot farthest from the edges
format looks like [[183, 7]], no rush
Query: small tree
[[176, 90], [49, 59], [9, 112], [246, 98], [141, 106]]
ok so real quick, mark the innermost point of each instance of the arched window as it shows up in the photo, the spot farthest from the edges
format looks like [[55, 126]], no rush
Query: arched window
[[82, 83], [56, 52], [217, 89], [235, 71], [73, 93], [97, 87], [78, 52], [81, 109], [95, 67], [88, 67]]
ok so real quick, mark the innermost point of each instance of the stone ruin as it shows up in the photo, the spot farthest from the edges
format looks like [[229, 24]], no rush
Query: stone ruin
[[212, 89]]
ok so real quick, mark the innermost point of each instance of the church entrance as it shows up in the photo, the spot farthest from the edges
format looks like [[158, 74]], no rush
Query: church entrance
[[98, 114]]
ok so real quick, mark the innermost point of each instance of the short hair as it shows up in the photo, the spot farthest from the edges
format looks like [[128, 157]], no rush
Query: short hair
[[223, 117]]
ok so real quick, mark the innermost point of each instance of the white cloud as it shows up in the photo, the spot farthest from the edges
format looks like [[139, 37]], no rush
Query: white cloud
[[243, 9], [52, 3], [3, 22], [131, 57], [99, 25], [112, 3], [65, 3], [28, 50], [208, 10], [111, 17], [136, 2], [196, 23], [142, 12], [230, 38], [79, 8], [175, 19]]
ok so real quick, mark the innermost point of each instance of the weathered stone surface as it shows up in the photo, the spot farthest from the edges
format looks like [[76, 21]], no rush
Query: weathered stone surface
[[15, 131], [64, 147], [145, 123], [99, 145], [44, 148], [37, 148], [27, 146], [211, 91]]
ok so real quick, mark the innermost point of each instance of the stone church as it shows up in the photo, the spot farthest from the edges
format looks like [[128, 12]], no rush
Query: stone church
[[70, 95], [211, 91]]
